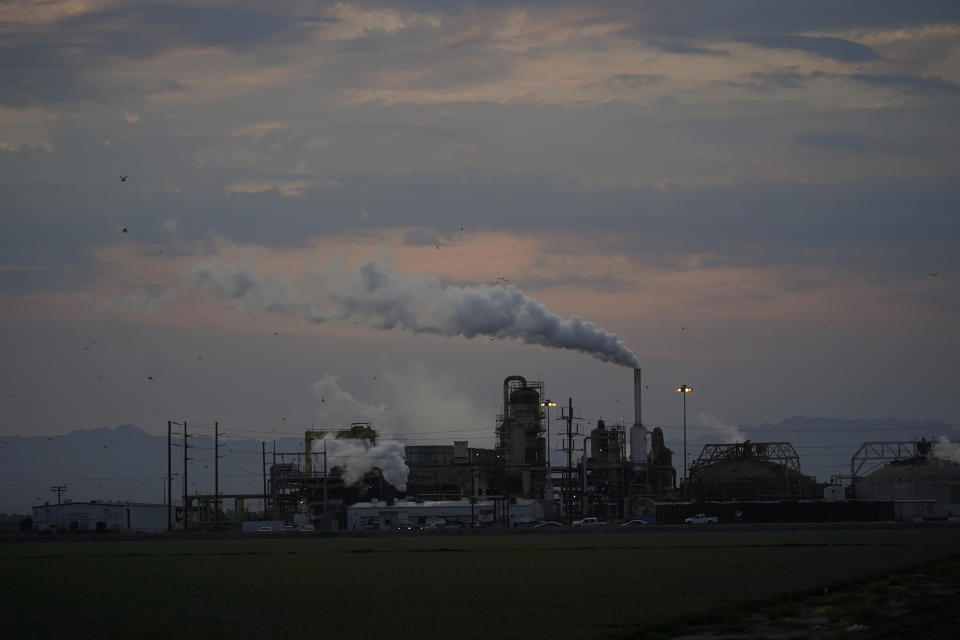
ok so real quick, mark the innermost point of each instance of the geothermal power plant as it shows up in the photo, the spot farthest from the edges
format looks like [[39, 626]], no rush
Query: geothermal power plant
[[350, 479]]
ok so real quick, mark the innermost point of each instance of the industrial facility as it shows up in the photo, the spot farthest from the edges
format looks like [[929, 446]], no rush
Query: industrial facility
[[613, 472], [350, 479], [920, 483]]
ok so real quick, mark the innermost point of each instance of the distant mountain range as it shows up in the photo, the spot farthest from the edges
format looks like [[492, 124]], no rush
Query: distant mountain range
[[128, 464]]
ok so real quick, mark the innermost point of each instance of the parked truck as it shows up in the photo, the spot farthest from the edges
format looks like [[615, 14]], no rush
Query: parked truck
[[702, 518], [589, 522]]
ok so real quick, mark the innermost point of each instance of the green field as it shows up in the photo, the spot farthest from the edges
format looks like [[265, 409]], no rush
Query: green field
[[443, 586]]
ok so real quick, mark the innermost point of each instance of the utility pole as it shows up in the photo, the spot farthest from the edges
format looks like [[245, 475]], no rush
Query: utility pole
[[58, 489], [186, 486], [568, 472], [216, 473], [263, 458], [169, 478], [326, 501]]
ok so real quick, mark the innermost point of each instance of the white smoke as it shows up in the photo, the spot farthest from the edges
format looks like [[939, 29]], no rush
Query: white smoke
[[356, 459], [718, 431], [337, 408], [945, 449], [379, 295]]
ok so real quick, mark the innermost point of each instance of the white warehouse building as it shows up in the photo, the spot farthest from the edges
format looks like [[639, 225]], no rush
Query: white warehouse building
[[100, 516]]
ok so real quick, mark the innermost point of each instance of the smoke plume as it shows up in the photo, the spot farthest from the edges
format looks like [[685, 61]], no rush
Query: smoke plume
[[356, 459], [944, 449], [339, 407], [720, 431], [378, 295]]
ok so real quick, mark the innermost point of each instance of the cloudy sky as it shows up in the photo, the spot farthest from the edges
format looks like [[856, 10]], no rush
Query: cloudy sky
[[395, 205]]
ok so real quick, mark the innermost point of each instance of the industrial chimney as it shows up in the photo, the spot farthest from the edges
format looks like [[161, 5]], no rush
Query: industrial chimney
[[638, 433]]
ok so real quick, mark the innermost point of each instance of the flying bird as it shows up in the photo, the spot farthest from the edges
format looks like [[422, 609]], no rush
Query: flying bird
[[149, 377], [934, 274], [123, 178]]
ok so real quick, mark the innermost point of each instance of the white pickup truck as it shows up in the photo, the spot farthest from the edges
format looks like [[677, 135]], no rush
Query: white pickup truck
[[702, 518], [589, 522]]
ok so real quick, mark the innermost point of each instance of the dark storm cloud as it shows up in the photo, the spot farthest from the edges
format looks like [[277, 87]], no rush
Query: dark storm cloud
[[765, 17], [144, 30], [59, 61], [688, 49], [788, 78], [791, 78], [421, 238], [32, 69], [844, 141], [619, 81], [835, 48], [689, 27], [907, 82], [725, 219]]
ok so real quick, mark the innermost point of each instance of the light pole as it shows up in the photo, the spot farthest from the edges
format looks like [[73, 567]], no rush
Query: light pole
[[684, 389], [548, 482]]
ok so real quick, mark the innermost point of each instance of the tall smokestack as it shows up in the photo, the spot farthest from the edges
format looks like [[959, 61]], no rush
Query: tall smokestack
[[638, 432], [637, 379]]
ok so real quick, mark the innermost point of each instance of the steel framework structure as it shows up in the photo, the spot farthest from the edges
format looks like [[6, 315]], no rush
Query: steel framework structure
[[876, 452], [779, 452]]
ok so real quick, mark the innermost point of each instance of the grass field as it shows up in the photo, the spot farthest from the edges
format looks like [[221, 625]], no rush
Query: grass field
[[440, 586]]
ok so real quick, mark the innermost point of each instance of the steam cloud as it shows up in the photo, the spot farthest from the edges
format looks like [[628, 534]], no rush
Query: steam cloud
[[944, 449], [339, 407], [356, 459], [380, 296], [727, 434]]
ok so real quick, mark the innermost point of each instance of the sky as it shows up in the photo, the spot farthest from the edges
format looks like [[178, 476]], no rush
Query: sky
[[376, 211]]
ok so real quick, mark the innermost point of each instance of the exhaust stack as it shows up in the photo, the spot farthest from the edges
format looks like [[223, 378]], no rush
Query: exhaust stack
[[638, 432], [637, 385]]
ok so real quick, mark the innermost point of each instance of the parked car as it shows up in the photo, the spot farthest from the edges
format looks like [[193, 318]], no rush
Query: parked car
[[265, 529], [307, 528], [289, 528], [702, 518], [589, 522], [548, 523], [633, 523]]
